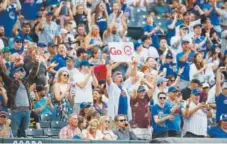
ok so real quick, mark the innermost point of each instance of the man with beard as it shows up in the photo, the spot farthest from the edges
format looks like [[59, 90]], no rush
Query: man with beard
[[3, 39], [112, 35]]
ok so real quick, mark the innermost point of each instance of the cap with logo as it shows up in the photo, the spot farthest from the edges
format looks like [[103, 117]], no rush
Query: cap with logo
[[195, 92], [172, 89]]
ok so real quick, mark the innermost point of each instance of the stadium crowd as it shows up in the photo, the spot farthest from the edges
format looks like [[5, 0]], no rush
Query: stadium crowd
[[56, 67]]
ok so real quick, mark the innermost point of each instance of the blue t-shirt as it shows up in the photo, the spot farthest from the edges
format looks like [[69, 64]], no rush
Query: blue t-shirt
[[199, 40], [171, 32], [154, 37], [25, 37], [29, 9], [20, 51], [216, 132], [123, 103], [60, 60], [171, 69], [221, 104], [176, 122], [214, 17], [160, 112], [8, 18], [102, 23], [40, 103], [186, 65]]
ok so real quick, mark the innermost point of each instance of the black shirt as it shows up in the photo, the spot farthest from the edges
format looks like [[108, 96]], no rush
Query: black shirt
[[186, 92]]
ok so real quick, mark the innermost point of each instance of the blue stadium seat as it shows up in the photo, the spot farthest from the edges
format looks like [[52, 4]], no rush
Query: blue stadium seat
[[51, 132], [57, 124], [45, 117], [35, 133], [45, 124]]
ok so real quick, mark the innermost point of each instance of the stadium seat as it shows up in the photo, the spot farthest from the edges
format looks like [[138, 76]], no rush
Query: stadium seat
[[35, 133], [45, 117], [57, 124], [45, 124], [51, 132]]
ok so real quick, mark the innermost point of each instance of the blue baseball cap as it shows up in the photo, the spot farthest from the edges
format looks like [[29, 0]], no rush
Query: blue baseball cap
[[169, 55], [223, 117], [195, 92], [161, 80], [49, 13], [85, 63], [85, 105], [172, 89], [42, 45], [141, 88], [21, 69], [17, 38]]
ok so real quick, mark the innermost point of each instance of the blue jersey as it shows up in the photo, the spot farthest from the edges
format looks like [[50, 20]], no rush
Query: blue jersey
[[186, 65], [8, 18], [160, 112], [198, 40], [171, 32], [176, 122], [155, 39], [221, 103], [216, 132], [29, 9], [60, 60], [20, 51], [170, 67], [214, 17], [102, 23]]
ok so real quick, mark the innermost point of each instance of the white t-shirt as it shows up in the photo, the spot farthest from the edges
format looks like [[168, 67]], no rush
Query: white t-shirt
[[206, 76], [141, 57], [84, 94], [152, 52], [114, 93]]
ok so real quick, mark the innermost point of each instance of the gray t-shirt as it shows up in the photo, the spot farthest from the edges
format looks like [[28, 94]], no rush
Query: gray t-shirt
[[21, 99]]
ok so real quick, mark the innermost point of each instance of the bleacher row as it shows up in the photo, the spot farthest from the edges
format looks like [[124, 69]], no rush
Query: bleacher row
[[49, 128]]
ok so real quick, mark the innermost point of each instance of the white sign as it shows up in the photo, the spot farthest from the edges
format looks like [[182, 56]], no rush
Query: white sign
[[121, 51]]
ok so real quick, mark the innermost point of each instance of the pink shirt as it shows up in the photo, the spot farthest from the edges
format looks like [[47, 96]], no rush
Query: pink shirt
[[68, 133]]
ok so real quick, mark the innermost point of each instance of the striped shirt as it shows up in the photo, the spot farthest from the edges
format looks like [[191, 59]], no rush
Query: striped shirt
[[69, 133], [197, 123]]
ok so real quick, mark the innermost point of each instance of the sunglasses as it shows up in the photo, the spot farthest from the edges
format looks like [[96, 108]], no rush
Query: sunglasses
[[66, 75], [107, 121], [162, 98], [123, 120], [173, 80], [2, 116], [18, 41]]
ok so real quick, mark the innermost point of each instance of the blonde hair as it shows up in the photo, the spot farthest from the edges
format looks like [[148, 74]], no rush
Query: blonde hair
[[94, 122], [60, 73]]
